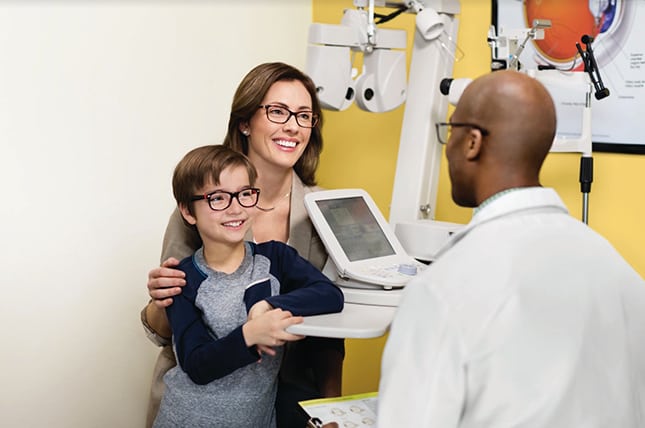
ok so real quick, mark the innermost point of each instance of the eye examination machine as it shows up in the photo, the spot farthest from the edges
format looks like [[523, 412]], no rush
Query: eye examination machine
[[372, 259], [381, 86]]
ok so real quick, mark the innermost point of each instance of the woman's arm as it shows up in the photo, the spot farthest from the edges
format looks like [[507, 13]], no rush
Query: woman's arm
[[165, 282]]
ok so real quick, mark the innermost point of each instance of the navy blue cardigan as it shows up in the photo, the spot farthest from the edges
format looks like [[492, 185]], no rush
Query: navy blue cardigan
[[304, 290]]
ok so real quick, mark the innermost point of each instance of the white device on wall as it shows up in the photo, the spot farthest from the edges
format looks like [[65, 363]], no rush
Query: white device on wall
[[360, 242]]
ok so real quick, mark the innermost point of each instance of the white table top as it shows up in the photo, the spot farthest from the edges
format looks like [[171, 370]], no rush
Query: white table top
[[356, 321]]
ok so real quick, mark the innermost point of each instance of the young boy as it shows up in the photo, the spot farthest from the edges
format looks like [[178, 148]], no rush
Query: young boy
[[229, 321]]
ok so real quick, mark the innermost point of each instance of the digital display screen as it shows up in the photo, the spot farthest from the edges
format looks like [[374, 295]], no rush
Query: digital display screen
[[355, 228]]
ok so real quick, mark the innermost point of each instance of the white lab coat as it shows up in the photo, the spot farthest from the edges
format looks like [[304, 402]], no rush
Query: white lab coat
[[528, 318]]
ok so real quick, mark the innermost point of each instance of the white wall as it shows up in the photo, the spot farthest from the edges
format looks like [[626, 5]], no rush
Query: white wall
[[98, 101]]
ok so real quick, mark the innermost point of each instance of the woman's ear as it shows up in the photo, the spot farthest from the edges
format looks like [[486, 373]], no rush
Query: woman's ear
[[244, 128], [187, 215]]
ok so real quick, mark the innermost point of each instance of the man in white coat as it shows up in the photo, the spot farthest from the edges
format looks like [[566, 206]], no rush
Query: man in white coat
[[528, 318]]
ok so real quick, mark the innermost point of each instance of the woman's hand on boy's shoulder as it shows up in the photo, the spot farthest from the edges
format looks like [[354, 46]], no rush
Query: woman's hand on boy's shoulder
[[165, 282]]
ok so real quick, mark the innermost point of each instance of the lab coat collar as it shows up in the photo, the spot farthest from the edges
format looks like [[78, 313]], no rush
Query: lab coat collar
[[519, 200], [530, 198]]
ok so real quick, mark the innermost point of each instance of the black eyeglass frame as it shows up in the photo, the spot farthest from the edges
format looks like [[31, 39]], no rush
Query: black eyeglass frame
[[233, 195], [314, 116], [439, 125]]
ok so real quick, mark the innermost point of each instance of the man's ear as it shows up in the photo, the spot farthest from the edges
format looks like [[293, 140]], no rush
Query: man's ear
[[474, 144], [187, 215]]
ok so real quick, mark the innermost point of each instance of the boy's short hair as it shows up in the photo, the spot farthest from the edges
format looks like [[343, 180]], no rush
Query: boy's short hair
[[202, 164]]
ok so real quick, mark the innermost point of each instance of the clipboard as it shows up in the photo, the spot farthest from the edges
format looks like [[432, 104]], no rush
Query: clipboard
[[359, 409]]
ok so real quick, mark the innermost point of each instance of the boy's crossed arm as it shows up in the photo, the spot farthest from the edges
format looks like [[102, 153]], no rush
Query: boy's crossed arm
[[266, 327]]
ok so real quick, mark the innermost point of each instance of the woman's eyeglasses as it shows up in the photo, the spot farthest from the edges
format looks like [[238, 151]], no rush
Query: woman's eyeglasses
[[279, 114]]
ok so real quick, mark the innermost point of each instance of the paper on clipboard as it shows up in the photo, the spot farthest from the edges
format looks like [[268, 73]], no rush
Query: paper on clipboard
[[348, 411]]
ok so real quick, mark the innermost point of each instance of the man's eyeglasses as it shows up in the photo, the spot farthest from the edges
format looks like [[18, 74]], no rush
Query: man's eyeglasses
[[279, 114], [219, 200], [444, 129]]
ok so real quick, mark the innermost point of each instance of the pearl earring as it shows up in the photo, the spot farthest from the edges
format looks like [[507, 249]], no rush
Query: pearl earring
[[246, 132]]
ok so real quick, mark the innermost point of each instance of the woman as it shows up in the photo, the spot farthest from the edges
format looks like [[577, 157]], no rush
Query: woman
[[276, 121]]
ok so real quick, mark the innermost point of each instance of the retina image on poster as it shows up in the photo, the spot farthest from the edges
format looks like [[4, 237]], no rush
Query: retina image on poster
[[617, 29]]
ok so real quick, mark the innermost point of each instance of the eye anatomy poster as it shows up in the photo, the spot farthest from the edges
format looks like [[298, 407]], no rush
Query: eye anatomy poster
[[615, 31]]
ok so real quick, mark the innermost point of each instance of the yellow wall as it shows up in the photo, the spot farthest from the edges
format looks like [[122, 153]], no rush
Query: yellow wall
[[361, 149]]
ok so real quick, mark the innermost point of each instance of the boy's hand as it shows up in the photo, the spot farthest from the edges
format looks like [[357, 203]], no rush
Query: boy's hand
[[259, 308], [256, 310], [165, 282], [267, 329]]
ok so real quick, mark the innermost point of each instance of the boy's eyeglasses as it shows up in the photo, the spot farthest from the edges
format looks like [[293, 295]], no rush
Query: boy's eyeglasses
[[279, 114], [219, 200], [444, 129]]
